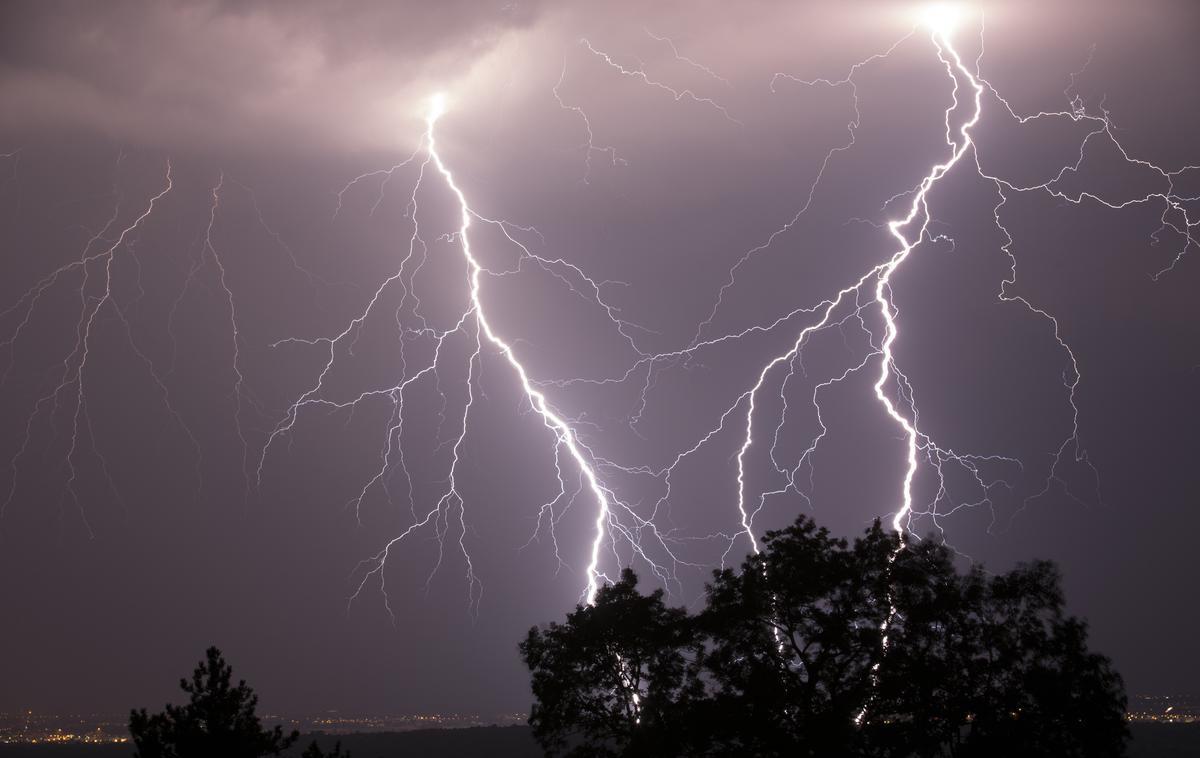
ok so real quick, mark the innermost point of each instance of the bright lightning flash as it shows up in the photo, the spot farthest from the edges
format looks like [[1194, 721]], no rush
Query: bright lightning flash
[[620, 531], [612, 515], [941, 19], [565, 436]]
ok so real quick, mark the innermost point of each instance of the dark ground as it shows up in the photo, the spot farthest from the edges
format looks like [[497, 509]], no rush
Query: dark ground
[[1149, 741]]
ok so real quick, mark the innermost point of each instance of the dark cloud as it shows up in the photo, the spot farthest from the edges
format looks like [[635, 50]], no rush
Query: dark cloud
[[204, 72]]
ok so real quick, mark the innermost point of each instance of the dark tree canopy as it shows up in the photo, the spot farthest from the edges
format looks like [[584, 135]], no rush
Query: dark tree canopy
[[791, 640], [819, 647], [611, 678], [991, 666], [218, 720]]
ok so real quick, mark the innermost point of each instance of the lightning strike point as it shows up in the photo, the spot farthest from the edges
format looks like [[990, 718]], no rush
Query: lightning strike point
[[941, 18], [437, 107]]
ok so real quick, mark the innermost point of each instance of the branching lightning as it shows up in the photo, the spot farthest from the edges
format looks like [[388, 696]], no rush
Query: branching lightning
[[473, 325], [447, 358], [94, 273]]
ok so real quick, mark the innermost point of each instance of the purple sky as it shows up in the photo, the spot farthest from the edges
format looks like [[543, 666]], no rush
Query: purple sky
[[154, 519]]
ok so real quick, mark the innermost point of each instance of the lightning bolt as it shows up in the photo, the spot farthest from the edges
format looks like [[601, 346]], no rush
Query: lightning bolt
[[239, 379], [474, 325], [873, 290], [94, 270], [638, 73], [430, 348], [692, 62], [836, 311]]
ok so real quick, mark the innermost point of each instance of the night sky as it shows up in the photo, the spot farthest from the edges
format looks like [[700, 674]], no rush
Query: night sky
[[652, 233]]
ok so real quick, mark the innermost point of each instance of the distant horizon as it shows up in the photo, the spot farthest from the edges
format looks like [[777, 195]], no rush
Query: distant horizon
[[268, 716]]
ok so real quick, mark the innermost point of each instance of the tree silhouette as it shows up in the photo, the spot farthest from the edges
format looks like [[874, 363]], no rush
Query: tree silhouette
[[991, 666], [792, 641], [610, 680], [218, 720], [819, 647]]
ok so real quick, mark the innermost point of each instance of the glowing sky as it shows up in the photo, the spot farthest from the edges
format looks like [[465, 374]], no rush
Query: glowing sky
[[660, 202]]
